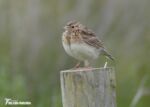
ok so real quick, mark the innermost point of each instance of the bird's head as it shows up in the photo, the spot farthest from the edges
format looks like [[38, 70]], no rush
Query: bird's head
[[73, 26]]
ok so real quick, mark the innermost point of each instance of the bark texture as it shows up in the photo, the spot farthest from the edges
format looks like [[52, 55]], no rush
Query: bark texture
[[93, 87]]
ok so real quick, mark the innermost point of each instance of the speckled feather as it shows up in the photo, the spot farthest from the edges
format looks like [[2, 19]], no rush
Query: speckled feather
[[81, 43]]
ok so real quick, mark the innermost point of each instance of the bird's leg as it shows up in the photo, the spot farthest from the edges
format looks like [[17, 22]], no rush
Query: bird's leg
[[86, 64], [77, 65]]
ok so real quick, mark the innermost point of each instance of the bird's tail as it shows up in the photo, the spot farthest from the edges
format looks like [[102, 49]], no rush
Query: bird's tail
[[107, 55]]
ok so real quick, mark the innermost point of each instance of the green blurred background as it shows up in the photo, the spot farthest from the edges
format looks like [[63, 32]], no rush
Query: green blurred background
[[32, 56]]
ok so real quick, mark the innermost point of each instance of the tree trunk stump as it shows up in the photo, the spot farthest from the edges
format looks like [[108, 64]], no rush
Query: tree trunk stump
[[93, 87]]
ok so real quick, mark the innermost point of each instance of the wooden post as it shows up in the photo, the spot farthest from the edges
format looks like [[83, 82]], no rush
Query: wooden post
[[93, 87]]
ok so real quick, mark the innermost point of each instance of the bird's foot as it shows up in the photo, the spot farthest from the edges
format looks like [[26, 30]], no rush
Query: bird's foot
[[87, 68], [76, 66]]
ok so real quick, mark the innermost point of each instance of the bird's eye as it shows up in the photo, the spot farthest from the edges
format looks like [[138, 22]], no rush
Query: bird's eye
[[72, 26]]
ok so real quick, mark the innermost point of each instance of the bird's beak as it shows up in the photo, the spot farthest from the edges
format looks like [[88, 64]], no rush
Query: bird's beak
[[66, 27]]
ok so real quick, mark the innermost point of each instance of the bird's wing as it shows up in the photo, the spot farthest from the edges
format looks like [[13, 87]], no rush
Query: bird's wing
[[90, 38]]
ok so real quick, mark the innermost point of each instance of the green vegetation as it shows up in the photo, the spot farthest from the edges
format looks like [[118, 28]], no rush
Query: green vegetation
[[31, 53]]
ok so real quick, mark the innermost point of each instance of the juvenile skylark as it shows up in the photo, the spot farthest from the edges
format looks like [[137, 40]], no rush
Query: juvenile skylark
[[82, 44]]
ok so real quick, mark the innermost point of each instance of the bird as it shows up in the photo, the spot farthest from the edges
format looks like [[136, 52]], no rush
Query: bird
[[82, 43]]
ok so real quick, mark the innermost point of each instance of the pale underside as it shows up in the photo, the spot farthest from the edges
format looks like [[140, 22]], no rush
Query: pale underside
[[81, 51]]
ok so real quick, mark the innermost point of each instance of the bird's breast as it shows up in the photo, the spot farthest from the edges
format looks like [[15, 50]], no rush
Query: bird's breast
[[82, 51], [66, 43], [66, 38], [77, 48]]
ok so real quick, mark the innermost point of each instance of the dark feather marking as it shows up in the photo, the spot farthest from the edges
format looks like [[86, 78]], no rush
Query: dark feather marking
[[68, 40], [90, 38]]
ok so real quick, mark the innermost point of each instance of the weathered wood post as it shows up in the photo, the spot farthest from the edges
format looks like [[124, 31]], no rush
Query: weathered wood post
[[93, 87]]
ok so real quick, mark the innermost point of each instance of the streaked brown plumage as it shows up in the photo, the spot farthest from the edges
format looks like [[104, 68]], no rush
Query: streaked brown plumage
[[82, 43]]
